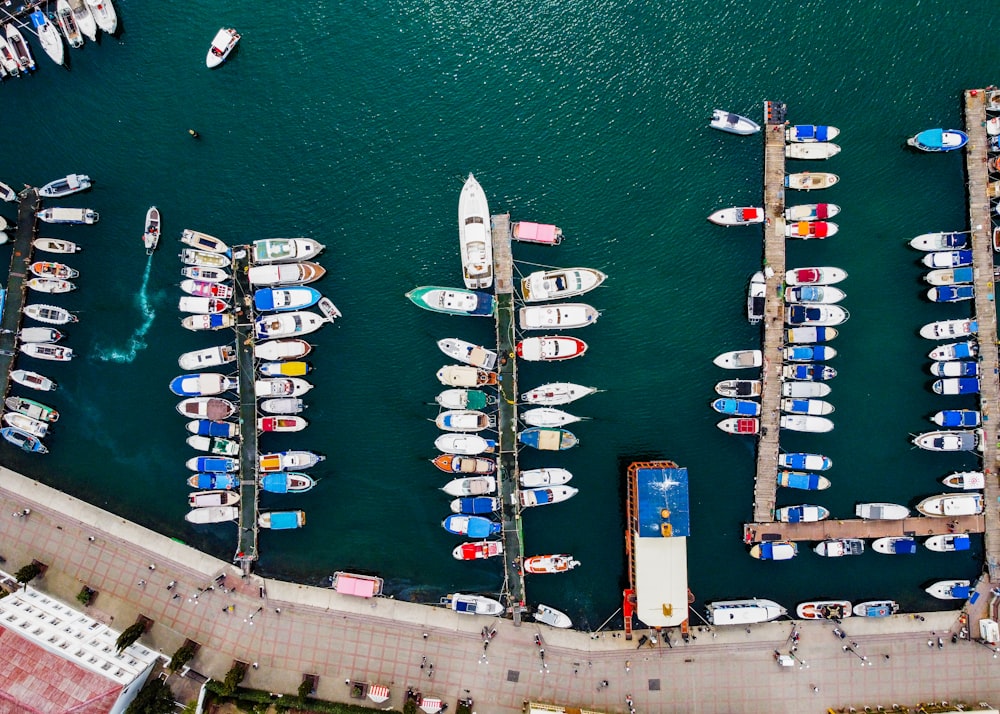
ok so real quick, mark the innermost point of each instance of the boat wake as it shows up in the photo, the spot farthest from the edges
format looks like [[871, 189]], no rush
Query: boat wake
[[136, 342]]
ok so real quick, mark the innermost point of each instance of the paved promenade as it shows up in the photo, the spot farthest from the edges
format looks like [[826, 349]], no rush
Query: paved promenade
[[291, 630]]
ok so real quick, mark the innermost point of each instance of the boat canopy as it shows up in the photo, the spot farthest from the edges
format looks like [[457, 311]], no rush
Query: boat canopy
[[961, 542], [283, 520], [905, 546], [357, 585], [960, 592], [750, 214], [537, 233]]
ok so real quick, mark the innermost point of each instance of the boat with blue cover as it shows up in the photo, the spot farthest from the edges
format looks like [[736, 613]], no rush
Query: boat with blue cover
[[23, 440], [876, 608], [808, 353], [949, 440], [809, 371], [950, 276], [809, 335], [814, 294], [548, 438], [472, 526], [215, 464], [895, 545], [951, 293], [942, 240], [282, 520], [935, 140], [203, 384], [949, 543], [948, 259], [292, 297], [736, 407], [529, 497], [208, 427], [945, 329], [210, 481], [287, 482], [818, 315], [954, 368], [949, 589], [800, 461], [803, 513], [475, 505], [957, 418], [956, 385], [955, 350], [810, 133], [803, 481], [775, 550], [812, 407], [453, 301]]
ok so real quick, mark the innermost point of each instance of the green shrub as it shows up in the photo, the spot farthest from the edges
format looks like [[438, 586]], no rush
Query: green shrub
[[130, 635]]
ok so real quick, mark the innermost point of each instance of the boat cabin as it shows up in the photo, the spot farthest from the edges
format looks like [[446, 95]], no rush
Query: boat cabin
[[543, 233], [356, 585]]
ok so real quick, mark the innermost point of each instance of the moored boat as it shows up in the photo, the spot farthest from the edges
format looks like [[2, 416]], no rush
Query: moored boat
[[468, 353], [54, 353], [808, 353], [288, 461], [536, 478], [957, 418], [947, 259], [48, 37], [560, 283], [949, 543], [954, 350], [21, 51], [564, 316], [740, 425], [55, 245], [67, 23], [471, 486], [736, 407], [202, 305], [941, 240], [32, 380], [151, 234], [966, 480], [756, 297], [212, 464], [73, 183], [738, 388], [478, 551], [815, 276], [738, 216], [218, 514], [801, 422], [206, 408], [286, 273], [209, 322], [282, 405], [453, 301], [810, 133], [203, 241], [472, 604], [25, 423], [548, 416], [285, 250], [71, 216], [935, 140], [205, 258], [822, 315], [800, 461], [775, 550], [530, 497], [31, 408], [222, 44], [840, 547], [214, 445], [208, 427], [556, 563], [294, 368], [281, 423], [205, 275], [876, 608], [547, 439], [881, 511], [39, 334], [948, 505], [949, 440], [464, 444], [23, 440], [743, 612], [803, 481], [803, 513], [807, 181], [213, 499], [104, 14], [287, 482], [542, 233], [293, 297], [805, 390], [811, 212], [813, 151], [288, 349], [472, 526], [202, 384], [457, 464], [809, 407], [951, 293], [474, 236], [945, 329], [463, 420], [282, 520], [733, 123], [949, 589], [956, 385], [814, 294], [556, 393], [824, 610], [453, 375], [50, 285], [895, 545], [281, 387], [208, 481], [208, 357], [464, 399], [808, 371], [550, 348], [739, 359]]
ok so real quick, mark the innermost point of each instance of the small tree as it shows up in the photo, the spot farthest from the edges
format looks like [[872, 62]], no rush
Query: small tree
[[233, 678], [183, 655], [86, 596], [28, 573], [129, 636], [154, 698], [410, 706], [305, 689]]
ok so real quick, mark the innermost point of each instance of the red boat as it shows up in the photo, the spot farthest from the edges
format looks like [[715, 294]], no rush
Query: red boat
[[550, 348], [742, 425], [478, 551]]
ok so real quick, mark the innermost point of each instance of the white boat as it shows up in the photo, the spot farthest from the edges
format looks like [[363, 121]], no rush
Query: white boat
[[743, 612], [966, 480], [740, 359], [818, 315], [286, 273], [814, 294], [802, 513], [465, 420], [949, 589], [531, 497], [941, 240], [738, 388], [950, 276], [564, 316], [948, 543], [840, 547], [809, 407], [202, 305], [151, 233], [802, 422], [949, 505], [7, 194], [205, 275], [204, 258], [464, 444], [947, 259], [105, 15], [548, 416], [85, 20], [73, 183], [288, 324], [463, 399], [285, 250], [212, 514], [895, 545], [213, 499], [809, 335], [948, 329], [208, 357], [473, 604], [31, 408], [222, 44], [540, 478], [550, 348], [9, 64], [214, 445], [807, 462], [805, 390], [733, 123], [738, 216], [807, 230], [881, 511], [282, 405], [203, 384], [824, 610], [815, 276], [552, 563], [475, 236], [281, 423], [67, 23], [468, 353], [50, 285], [39, 334], [556, 393], [272, 350], [54, 245], [811, 212], [32, 380], [212, 408], [48, 37], [203, 288], [207, 427], [807, 181], [471, 486], [949, 440], [756, 297], [550, 616], [21, 50], [203, 241], [50, 314], [72, 216], [288, 461], [208, 322], [562, 283], [281, 387], [810, 133], [54, 353], [26, 423], [812, 151]]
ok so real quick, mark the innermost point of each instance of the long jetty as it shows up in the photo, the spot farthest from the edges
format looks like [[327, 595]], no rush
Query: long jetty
[[17, 288], [246, 553]]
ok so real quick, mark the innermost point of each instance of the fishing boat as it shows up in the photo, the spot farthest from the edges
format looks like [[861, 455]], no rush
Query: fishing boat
[[464, 444], [949, 589], [472, 604], [542, 233], [48, 37], [945, 329], [954, 368], [54, 245], [213, 445], [453, 301], [881, 511], [454, 463], [73, 183], [204, 258], [54, 353], [31, 408], [477, 551], [811, 212], [807, 335], [208, 427], [281, 387], [947, 505], [204, 384], [547, 439], [805, 390], [209, 481], [285, 273], [531, 497], [815, 276], [808, 353], [206, 408], [67, 23], [736, 407], [282, 405], [560, 283], [739, 359], [738, 388], [537, 478], [21, 51], [756, 294], [287, 482], [453, 375], [840, 547], [294, 368], [222, 44], [472, 526], [956, 385], [775, 550], [474, 236], [949, 543], [556, 393], [895, 545], [219, 514], [471, 486], [151, 234], [947, 259], [32, 380], [557, 317], [738, 216], [548, 416], [812, 294], [810, 462], [951, 293], [814, 151], [202, 305], [464, 399], [72, 216], [475, 505], [743, 612], [809, 407], [281, 423], [550, 348], [104, 14], [733, 123], [807, 181], [272, 350], [25, 423], [876, 608], [205, 275], [293, 297], [801, 422], [468, 353], [213, 499], [949, 440], [740, 425], [821, 315], [212, 464], [810, 133], [50, 285], [282, 520], [208, 357], [808, 371], [939, 140], [954, 350], [463, 420], [556, 563], [23, 440], [941, 240], [803, 481], [965, 480], [203, 241], [39, 334], [288, 461], [824, 610], [803, 513], [957, 418]]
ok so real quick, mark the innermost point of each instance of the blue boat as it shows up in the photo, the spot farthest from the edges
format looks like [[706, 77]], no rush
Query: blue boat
[[287, 482], [736, 407], [207, 427], [803, 481], [472, 526], [475, 505], [876, 608], [957, 418], [808, 133], [282, 520], [808, 353], [951, 293], [948, 259], [292, 297], [203, 384], [895, 545], [775, 550], [218, 464], [954, 368], [547, 438], [23, 440], [956, 385], [935, 140], [214, 481], [800, 461], [808, 372]]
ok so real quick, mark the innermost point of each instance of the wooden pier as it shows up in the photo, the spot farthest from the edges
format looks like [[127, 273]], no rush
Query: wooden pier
[[858, 528], [246, 549], [21, 256]]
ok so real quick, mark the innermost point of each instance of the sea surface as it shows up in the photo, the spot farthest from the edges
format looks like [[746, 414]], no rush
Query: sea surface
[[357, 123]]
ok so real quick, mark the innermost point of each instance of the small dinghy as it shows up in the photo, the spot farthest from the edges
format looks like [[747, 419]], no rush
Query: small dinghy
[[32, 380], [949, 589], [464, 444], [201, 288], [740, 359], [531, 497], [293, 297], [808, 371], [54, 245], [557, 563], [945, 329], [211, 481], [948, 543], [556, 393], [733, 123], [472, 604], [824, 610], [815, 276], [813, 151], [206, 408], [808, 353], [955, 350], [453, 375], [956, 385], [472, 486], [935, 140], [557, 317], [811, 212], [468, 353], [809, 407], [212, 464], [736, 407], [208, 322], [881, 511], [203, 384], [50, 285], [471, 526], [738, 216], [287, 482], [806, 230], [807, 335], [547, 439], [796, 315], [948, 505], [464, 399], [281, 423], [756, 297], [31, 408], [738, 388], [805, 390], [281, 387], [840, 547], [202, 305], [478, 551], [214, 445], [208, 357], [219, 514], [536, 478], [895, 545], [803, 513], [561, 283], [807, 181], [548, 416], [801, 422], [210, 499], [957, 418], [205, 275], [25, 423], [282, 520], [285, 369], [949, 440], [56, 271], [814, 294], [775, 550], [800, 461], [942, 240], [948, 259], [288, 461], [456, 464], [740, 425], [463, 420], [550, 348], [965, 480], [203, 241], [803, 481], [272, 350], [950, 276], [810, 133], [207, 427], [876, 608]]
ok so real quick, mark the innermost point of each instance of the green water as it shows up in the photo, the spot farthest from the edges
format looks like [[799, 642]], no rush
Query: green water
[[357, 123]]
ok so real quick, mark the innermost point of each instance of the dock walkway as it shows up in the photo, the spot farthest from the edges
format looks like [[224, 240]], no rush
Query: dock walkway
[[246, 553], [13, 308], [858, 528]]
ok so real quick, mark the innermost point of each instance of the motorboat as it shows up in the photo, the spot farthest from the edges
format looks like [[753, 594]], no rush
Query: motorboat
[[54, 271], [824, 610], [464, 444], [560, 283], [471, 486], [475, 236], [738, 216], [73, 183], [756, 297], [840, 547], [457, 464], [203, 241], [821, 315], [941, 240], [808, 371], [54, 353], [801, 422], [285, 250], [738, 388], [472, 526], [949, 440], [105, 15], [21, 50], [50, 285], [55, 245], [548, 416], [956, 385], [25, 423], [210, 499], [282, 405], [478, 551], [209, 322], [951, 276], [557, 317], [948, 505], [815, 276], [222, 44], [547, 439], [947, 259], [453, 301], [48, 37], [809, 407], [550, 348], [31, 408], [67, 23], [205, 258], [538, 478], [954, 350], [935, 140], [740, 359], [454, 375], [876, 608], [286, 299], [472, 604], [881, 511], [811, 212], [965, 480], [205, 275], [213, 464], [288, 461], [282, 520], [39, 334], [214, 445], [287, 482], [812, 294], [208, 427], [895, 545], [531, 497], [209, 481], [733, 123], [949, 589], [541, 233], [468, 353], [294, 368], [464, 399], [281, 423], [71, 216], [954, 368], [808, 353], [556, 393], [743, 612], [202, 305], [957, 418], [803, 481], [206, 408], [810, 462], [810, 133], [803, 513], [32, 380], [287, 324], [11, 65], [951, 293], [949, 543], [151, 233], [807, 181], [556, 563], [281, 387], [945, 329], [740, 425], [208, 357], [285, 273], [218, 514], [736, 407], [812, 151], [272, 350], [463, 420], [805, 390], [23, 440], [775, 550], [551, 617], [201, 288]]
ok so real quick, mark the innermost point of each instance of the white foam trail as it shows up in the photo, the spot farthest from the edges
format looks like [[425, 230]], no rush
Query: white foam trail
[[136, 343]]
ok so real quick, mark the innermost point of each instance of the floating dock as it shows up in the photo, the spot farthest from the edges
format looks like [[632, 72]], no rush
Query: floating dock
[[13, 308]]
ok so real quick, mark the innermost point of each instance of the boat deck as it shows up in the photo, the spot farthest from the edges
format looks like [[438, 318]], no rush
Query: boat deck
[[21, 257], [858, 528], [246, 551]]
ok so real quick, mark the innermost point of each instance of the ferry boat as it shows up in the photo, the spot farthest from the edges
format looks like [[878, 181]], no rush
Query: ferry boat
[[743, 612], [475, 238]]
